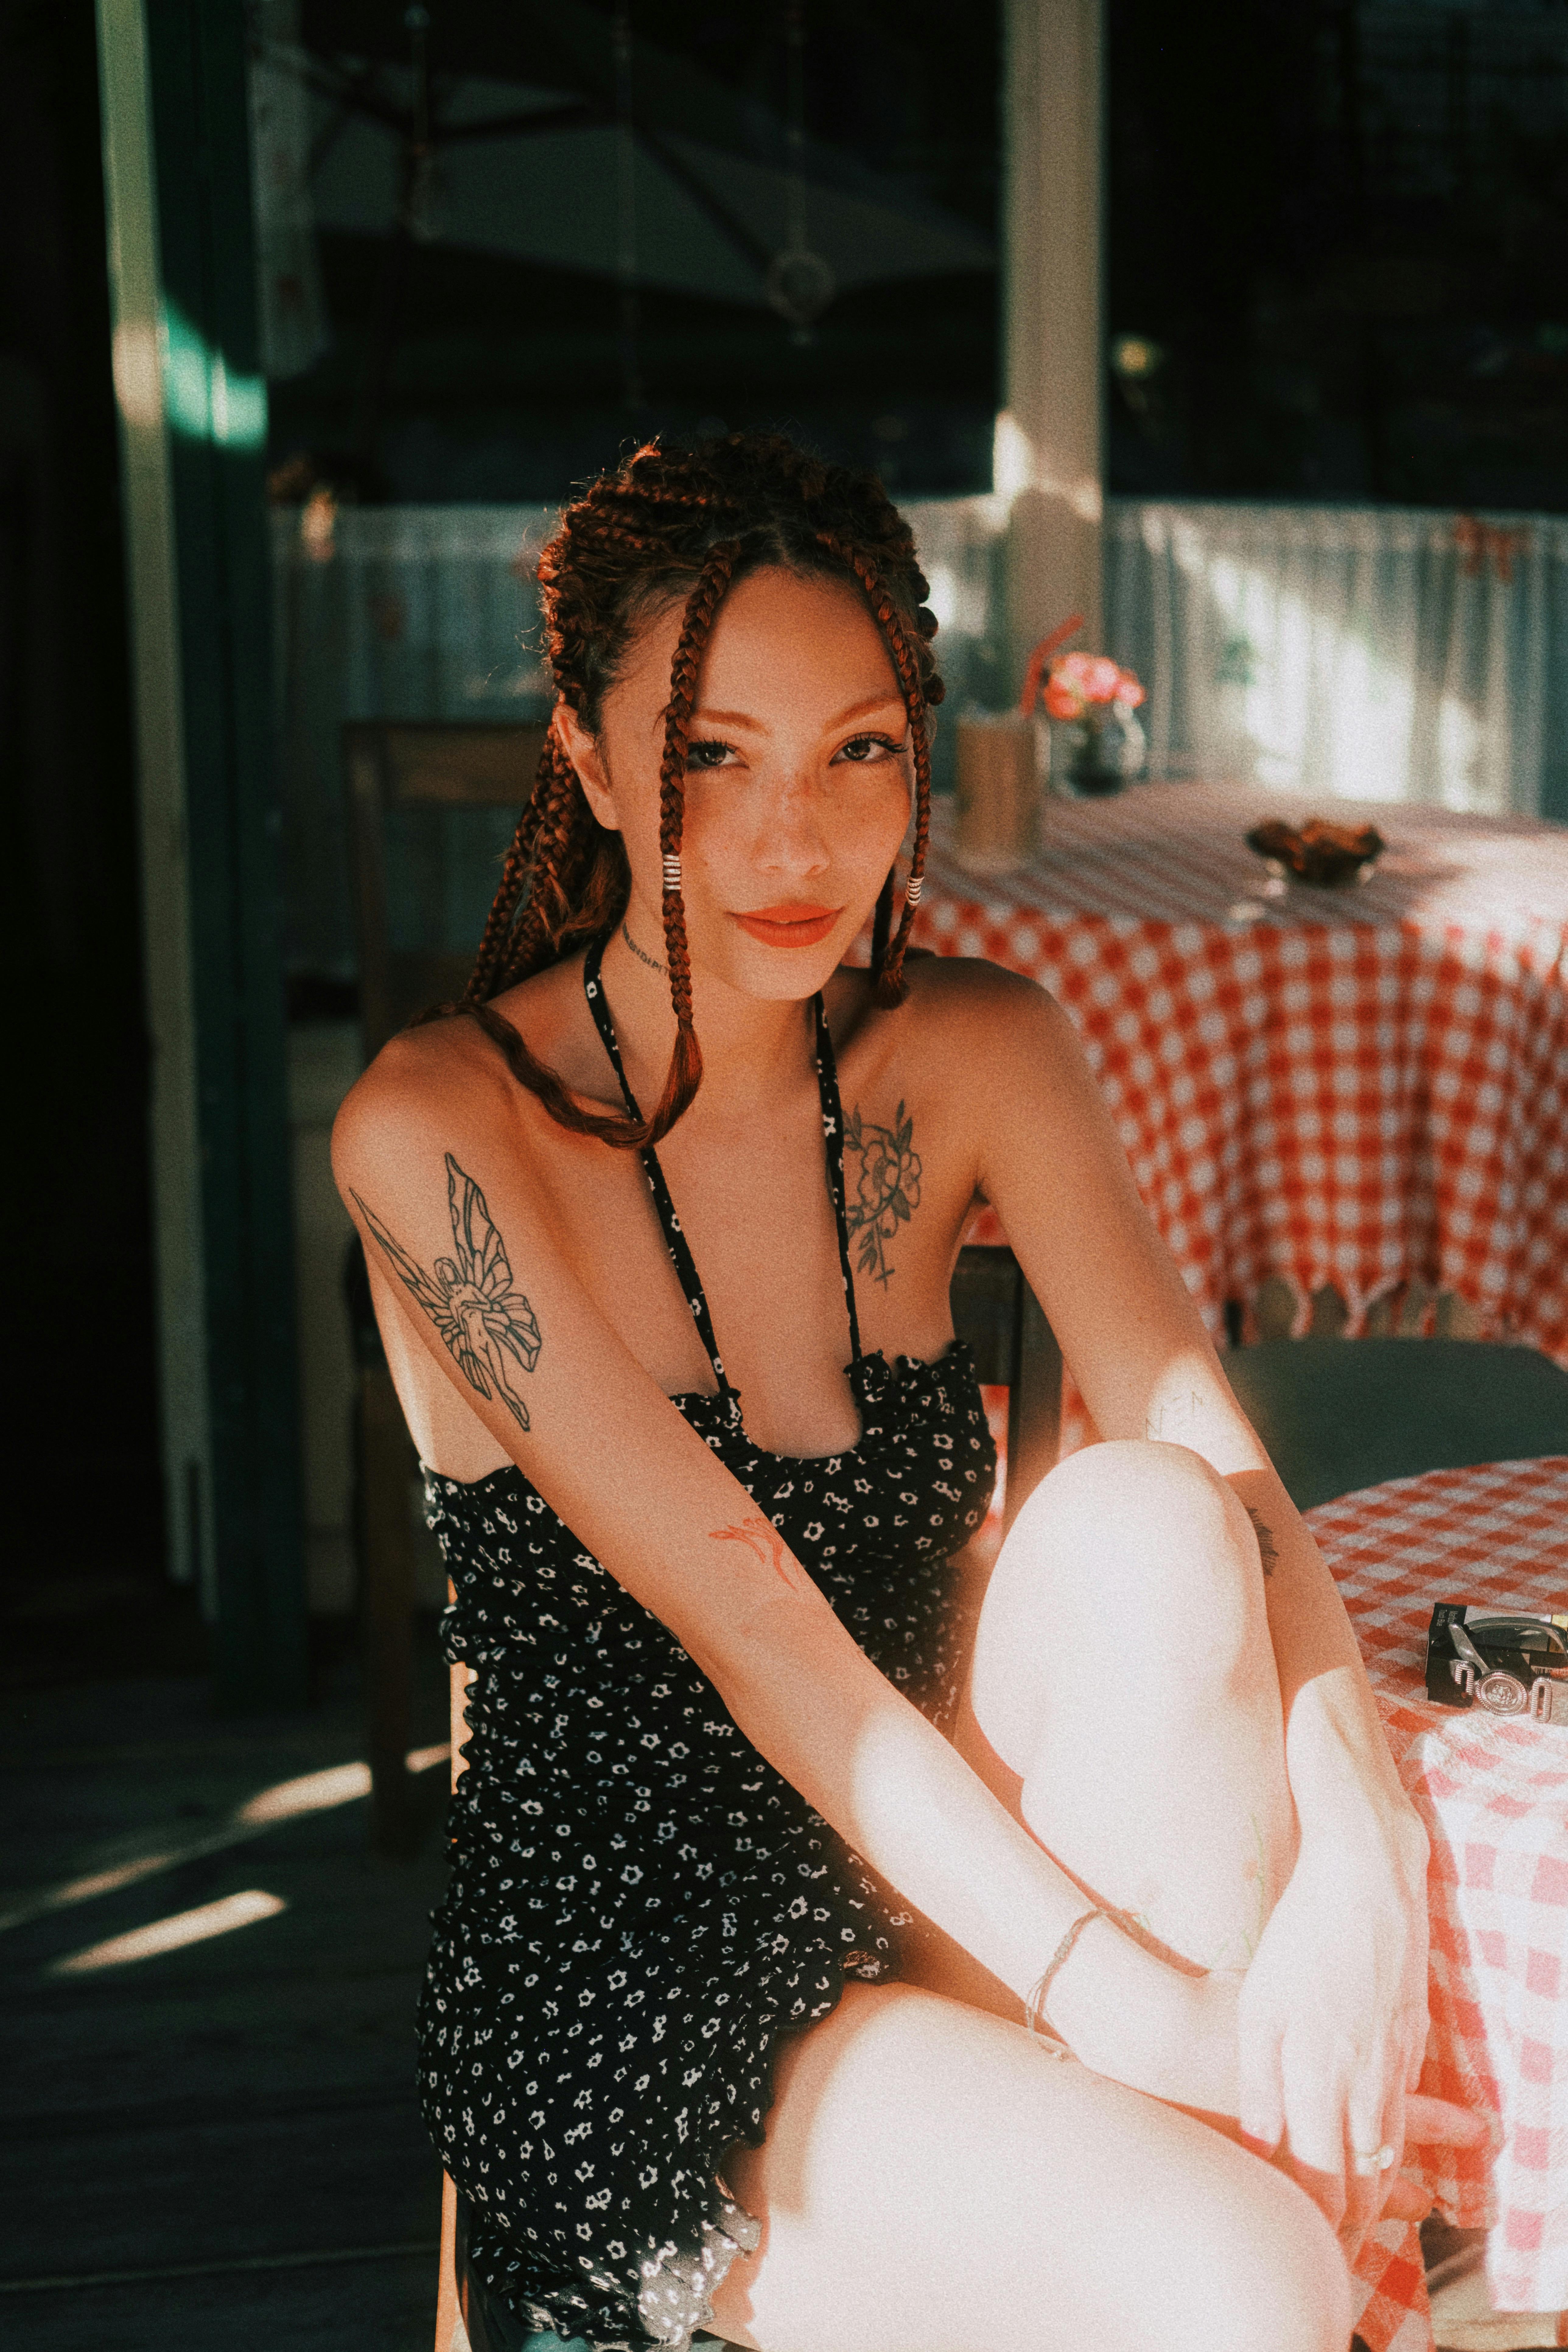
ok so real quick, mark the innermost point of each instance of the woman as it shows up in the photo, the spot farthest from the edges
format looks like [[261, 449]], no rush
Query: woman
[[770, 1900]]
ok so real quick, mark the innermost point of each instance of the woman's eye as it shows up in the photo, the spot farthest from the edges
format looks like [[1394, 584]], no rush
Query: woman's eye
[[862, 748], [709, 754]]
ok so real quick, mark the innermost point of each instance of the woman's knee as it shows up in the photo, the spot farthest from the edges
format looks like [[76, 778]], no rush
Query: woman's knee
[[1137, 1486], [1139, 1548]]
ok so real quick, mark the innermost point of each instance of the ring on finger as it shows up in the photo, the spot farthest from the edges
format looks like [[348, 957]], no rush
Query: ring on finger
[[1366, 2162]]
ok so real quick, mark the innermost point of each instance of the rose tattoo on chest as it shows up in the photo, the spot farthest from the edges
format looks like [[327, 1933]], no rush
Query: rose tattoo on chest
[[881, 1187]]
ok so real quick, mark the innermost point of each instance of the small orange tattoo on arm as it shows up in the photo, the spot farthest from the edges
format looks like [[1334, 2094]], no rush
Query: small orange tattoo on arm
[[763, 1539]]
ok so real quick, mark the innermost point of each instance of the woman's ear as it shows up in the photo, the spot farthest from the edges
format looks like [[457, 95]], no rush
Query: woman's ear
[[583, 750]]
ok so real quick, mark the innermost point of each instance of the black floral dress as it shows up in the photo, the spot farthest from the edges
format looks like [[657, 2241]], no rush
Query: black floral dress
[[639, 1904]]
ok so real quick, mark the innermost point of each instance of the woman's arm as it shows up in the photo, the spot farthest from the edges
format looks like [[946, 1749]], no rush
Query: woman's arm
[[443, 1198]]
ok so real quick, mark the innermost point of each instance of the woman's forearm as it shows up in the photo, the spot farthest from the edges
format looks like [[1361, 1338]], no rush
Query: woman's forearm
[[1341, 1772], [901, 1796]]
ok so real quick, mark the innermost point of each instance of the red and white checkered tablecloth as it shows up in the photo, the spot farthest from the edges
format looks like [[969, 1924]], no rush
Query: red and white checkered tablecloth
[[1494, 1797], [1359, 1088]]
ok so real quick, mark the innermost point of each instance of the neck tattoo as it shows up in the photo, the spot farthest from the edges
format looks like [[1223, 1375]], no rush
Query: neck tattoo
[[651, 962]]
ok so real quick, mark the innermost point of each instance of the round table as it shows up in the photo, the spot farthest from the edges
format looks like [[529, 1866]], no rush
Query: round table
[[1363, 1089], [1494, 1795]]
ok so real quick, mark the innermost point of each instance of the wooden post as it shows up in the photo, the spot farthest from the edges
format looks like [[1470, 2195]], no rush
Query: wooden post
[[152, 599], [1048, 450], [194, 415]]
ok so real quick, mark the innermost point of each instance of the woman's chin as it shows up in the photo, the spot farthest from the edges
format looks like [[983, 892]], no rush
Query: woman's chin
[[778, 975]]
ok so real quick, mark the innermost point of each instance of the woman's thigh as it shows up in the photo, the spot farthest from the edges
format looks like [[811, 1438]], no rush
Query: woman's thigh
[[932, 2182]]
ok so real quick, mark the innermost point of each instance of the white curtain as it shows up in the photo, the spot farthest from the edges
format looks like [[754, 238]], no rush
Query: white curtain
[[1381, 654]]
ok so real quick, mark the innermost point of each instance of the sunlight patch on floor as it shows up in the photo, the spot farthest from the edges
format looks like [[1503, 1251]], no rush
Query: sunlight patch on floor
[[171, 1935], [307, 1792]]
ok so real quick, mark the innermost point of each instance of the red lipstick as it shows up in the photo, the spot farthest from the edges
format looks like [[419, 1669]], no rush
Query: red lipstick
[[795, 923]]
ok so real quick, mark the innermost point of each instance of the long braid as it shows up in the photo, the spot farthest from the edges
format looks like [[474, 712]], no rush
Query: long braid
[[508, 954], [889, 970], [686, 1063], [548, 898], [498, 946], [513, 879]]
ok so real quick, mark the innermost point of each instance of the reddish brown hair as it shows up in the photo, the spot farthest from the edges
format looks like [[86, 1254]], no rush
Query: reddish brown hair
[[686, 523]]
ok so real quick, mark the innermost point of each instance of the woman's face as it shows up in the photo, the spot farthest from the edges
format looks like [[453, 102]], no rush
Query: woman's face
[[798, 781]]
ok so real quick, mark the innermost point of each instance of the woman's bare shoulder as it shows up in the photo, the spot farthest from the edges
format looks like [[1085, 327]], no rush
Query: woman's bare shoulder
[[453, 1075], [444, 1073], [960, 1014]]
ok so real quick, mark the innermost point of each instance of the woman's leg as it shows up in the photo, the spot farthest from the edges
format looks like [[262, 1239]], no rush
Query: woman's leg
[[932, 2182], [1124, 1702], [1124, 1699], [929, 2179]]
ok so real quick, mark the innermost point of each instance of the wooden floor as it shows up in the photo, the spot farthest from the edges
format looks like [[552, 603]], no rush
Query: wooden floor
[[216, 2144]]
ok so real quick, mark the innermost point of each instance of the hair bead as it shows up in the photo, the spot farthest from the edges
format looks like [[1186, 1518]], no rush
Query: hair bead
[[912, 889], [672, 875]]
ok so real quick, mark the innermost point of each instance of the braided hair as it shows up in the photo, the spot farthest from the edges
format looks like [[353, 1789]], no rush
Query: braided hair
[[684, 523]]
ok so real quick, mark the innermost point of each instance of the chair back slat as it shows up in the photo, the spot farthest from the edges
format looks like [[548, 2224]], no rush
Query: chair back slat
[[403, 774]]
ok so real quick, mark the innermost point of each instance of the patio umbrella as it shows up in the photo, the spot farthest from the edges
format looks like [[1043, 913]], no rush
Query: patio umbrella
[[640, 168]]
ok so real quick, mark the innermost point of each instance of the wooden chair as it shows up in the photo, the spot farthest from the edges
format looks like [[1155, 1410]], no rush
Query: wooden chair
[[996, 1312], [1339, 1414], [417, 938]]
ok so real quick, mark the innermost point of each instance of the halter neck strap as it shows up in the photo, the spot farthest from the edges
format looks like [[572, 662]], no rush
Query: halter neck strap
[[669, 1223]]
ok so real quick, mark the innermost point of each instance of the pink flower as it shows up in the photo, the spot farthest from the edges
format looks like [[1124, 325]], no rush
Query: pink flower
[[1081, 682]]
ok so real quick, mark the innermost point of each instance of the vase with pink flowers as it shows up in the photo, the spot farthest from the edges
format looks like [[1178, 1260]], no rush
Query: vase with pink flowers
[[1097, 744]]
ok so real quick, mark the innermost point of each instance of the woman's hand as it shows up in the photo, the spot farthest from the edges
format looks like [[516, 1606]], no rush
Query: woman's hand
[[1333, 2023], [1198, 2071]]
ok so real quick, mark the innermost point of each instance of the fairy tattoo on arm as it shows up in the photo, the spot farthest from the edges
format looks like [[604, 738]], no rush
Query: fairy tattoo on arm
[[483, 1318]]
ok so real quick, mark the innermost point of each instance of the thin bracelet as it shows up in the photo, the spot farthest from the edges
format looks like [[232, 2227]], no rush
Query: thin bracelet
[[1035, 2001]]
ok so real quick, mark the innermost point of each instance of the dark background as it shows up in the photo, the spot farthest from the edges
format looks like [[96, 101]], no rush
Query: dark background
[[1348, 227], [1340, 231], [84, 1511], [1342, 227], [469, 377]]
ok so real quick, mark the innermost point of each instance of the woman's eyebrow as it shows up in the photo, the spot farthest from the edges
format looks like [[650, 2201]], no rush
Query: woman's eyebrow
[[725, 719], [740, 721], [861, 710]]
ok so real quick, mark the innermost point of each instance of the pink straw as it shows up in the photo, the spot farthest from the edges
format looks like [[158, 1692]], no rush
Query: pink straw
[[1036, 668]]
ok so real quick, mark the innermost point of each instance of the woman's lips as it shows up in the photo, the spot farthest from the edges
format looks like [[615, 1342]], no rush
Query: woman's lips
[[796, 925]]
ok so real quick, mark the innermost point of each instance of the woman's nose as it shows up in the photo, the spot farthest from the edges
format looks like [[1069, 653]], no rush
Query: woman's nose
[[792, 838]]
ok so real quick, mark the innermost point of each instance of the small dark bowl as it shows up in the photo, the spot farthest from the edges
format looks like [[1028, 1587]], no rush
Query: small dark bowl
[[1333, 856]]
